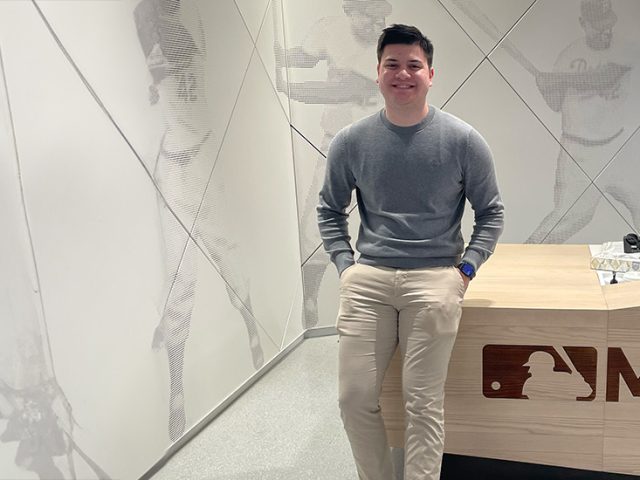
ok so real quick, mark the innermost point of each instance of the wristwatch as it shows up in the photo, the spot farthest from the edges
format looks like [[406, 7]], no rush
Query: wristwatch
[[467, 269]]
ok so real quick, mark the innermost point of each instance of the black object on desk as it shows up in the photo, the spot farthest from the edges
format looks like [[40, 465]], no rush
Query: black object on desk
[[631, 243]]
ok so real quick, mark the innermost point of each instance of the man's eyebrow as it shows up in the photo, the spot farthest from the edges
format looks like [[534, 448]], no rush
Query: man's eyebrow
[[413, 60]]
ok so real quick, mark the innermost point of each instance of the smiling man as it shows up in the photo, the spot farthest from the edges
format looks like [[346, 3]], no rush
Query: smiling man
[[412, 167]]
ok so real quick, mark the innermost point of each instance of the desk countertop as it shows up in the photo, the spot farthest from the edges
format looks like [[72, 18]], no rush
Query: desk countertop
[[538, 277]]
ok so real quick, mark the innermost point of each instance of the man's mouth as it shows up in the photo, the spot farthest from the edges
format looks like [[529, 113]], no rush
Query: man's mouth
[[403, 87]]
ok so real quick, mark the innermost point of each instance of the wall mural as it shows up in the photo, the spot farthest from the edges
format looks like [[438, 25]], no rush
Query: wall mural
[[173, 42], [590, 86], [346, 47], [565, 70], [36, 419], [587, 87]]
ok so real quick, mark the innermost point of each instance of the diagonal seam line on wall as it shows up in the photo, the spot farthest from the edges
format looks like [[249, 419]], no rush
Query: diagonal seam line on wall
[[308, 141], [537, 117], [93, 465], [563, 149], [486, 56], [548, 131], [246, 26], [566, 213], [306, 260], [26, 217], [444, 104], [310, 256], [515, 24], [593, 182], [286, 56], [264, 17], [288, 322], [277, 5], [273, 87], [611, 160], [103, 107], [270, 4], [204, 195], [299, 207], [277, 13]]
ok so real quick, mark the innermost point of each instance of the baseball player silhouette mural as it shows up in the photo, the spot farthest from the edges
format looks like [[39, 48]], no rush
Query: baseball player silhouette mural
[[35, 416], [173, 41], [591, 87], [349, 92]]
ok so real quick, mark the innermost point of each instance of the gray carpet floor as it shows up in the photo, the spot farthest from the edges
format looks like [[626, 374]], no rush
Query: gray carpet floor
[[286, 426]]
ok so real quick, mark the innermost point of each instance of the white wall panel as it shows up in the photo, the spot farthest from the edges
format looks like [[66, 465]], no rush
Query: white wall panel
[[591, 219], [93, 217], [270, 46], [141, 330], [249, 209], [596, 104], [331, 58], [295, 325], [487, 21], [310, 165], [322, 284], [619, 182], [524, 151], [168, 78], [253, 13], [225, 346]]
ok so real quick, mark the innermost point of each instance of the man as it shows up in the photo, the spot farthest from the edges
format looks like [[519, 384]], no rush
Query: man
[[412, 167], [349, 92], [590, 86]]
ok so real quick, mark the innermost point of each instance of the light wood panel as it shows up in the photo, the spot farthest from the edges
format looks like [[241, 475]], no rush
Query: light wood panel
[[528, 374]]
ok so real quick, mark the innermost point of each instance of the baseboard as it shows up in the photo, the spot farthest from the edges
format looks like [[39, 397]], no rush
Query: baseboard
[[191, 433]]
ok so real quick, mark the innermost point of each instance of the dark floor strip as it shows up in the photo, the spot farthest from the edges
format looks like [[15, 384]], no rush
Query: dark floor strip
[[460, 467]]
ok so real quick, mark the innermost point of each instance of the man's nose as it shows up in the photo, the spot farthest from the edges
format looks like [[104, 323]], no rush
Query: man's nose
[[402, 73]]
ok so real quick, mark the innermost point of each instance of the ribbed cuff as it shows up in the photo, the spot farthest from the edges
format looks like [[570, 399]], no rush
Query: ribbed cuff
[[343, 260], [474, 258]]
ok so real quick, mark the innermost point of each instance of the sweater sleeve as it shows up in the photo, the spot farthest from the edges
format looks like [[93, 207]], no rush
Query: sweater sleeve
[[335, 197], [481, 189]]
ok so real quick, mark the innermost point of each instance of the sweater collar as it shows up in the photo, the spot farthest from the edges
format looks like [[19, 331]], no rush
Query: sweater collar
[[412, 128]]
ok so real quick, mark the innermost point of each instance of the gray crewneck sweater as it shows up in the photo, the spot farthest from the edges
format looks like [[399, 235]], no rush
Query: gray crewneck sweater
[[411, 184]]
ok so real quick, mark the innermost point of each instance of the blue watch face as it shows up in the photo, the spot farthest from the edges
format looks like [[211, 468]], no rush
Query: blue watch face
[[467, 269]]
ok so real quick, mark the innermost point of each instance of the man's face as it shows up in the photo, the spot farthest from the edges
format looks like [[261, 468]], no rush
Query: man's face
[[368, 19], [404, 76]]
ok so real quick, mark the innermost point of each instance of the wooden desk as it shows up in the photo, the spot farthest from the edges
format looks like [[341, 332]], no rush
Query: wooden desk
[[541, 305]]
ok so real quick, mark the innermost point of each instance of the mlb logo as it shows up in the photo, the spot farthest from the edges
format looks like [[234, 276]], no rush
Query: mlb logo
[[539, 371]]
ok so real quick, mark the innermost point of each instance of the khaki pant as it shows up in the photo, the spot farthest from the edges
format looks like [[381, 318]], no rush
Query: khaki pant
[[380, 308]]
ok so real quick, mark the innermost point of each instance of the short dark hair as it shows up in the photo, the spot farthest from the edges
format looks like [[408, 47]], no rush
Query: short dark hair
[[406, 35]]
